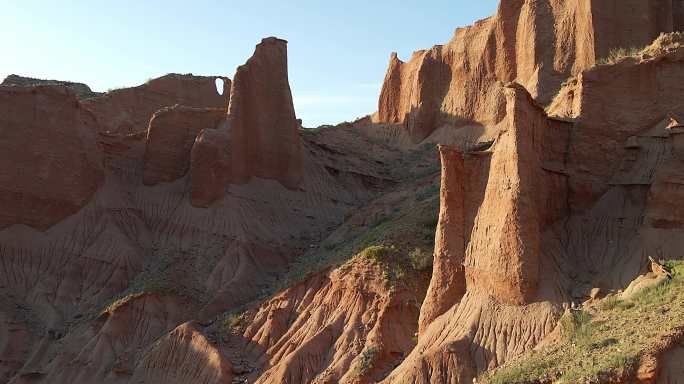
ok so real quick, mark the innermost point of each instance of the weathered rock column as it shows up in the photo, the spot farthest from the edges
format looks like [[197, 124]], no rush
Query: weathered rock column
[[447, 286]]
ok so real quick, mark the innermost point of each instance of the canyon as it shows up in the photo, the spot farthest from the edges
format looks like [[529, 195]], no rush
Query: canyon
[[520, 175]]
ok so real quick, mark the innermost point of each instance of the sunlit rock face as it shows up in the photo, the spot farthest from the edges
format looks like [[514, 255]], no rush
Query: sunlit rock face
[[537, 44]]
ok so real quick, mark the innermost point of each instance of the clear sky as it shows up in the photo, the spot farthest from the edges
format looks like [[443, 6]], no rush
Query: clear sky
[[338, 50]]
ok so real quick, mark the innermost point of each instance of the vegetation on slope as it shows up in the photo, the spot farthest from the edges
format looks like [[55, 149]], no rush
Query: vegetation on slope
[[618, 54], [405, 218], [603, 342]]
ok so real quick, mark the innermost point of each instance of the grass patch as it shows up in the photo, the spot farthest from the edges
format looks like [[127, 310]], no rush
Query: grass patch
[[603, 342], [531, 370], [420, 260], [411, 226], [393, 270], [577, 327], [428, 229], [228, 321], [428, 192], [156, 278], [618, 54], [367, 357]]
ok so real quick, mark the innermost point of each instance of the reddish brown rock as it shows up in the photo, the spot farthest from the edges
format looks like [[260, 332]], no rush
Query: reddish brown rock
[[489, 258], [264, 130], [50, 165], [535, 43], [129, 110], [148, 244], [184, 355], [607, 115], [170, 137], [520, 197], [349, 314], [448, 284], [261, 138], [528, 225], [81, 90], [209, 167]]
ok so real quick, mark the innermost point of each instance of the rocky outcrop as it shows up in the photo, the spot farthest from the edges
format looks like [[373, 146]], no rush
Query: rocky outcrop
[[559, 206], [168, 261], [129, 110], [170, 137], [184, 355], [81, 90], [349, 314], [491, 294], [447, 285], [210, 167], [611, 123], [51, 166], [490, 237], [535, 43], [519, 200], [261, 138], [264, 129]]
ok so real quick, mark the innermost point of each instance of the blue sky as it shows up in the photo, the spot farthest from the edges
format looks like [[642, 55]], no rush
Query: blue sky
[[338, 51]]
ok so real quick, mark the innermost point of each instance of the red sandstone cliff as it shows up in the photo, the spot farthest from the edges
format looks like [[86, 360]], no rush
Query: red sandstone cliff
[[170, 136], [552, 213], [555, 206], [261, 137], [102, 275], [128, 110], [50, 165], [535, 43], [264, 128]]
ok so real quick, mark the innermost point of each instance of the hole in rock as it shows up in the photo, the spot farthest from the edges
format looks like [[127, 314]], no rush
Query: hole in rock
[[219, 86]]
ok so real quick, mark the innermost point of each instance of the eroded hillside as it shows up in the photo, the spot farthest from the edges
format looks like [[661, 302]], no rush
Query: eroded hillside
[[509, 181]]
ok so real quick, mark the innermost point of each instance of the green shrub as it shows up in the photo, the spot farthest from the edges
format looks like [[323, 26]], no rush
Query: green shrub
[[428, 231], [367, 357], [420, 259], [375, 252], [427, 192]]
